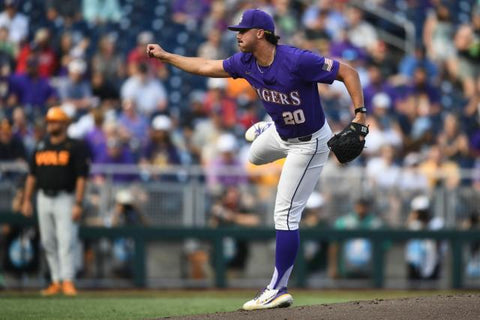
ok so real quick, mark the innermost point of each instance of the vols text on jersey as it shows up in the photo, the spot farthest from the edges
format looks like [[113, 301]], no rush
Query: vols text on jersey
[[52, 158]]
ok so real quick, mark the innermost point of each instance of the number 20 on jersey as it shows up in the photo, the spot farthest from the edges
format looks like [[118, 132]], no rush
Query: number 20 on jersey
[[293, 118]]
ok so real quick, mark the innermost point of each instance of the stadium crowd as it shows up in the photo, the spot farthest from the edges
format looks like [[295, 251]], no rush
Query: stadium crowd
[[423, 105], [89, 57]]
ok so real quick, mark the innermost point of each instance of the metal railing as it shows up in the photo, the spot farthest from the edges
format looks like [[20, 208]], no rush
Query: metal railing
[[186, 200], [408, 44], [141, 235]]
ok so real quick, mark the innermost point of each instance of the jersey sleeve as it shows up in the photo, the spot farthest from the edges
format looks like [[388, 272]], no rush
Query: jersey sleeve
[[314, 68], [81, 159], [233, 65]]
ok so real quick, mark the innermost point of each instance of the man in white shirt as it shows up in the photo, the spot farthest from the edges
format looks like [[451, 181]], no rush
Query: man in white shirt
[[16, 22]]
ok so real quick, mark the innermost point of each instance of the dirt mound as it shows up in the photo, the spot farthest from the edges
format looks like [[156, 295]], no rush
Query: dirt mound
[[465, 307]]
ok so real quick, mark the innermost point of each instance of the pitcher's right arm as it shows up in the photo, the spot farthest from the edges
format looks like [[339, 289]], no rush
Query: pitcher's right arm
[[194, 65]]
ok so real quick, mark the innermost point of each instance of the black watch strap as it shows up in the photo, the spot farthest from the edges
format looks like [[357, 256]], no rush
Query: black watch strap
[[361, 110]]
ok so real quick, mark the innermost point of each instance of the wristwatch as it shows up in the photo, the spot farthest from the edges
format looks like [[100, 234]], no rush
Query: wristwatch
[[360, 110]]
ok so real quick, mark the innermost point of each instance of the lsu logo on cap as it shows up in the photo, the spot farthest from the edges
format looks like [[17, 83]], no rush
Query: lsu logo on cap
[[327, 64]]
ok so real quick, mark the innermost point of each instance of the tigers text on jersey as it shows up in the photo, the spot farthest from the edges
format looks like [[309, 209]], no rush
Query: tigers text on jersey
[[57, 166], [288, 87]]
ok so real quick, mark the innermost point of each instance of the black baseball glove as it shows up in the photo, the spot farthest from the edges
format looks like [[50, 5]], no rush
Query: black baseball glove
[[349, 143]]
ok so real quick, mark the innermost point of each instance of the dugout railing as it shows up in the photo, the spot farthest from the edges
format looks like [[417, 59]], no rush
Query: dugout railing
[[141, 235]]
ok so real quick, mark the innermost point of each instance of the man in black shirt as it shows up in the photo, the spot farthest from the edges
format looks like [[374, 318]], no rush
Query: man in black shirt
[[58, 169]]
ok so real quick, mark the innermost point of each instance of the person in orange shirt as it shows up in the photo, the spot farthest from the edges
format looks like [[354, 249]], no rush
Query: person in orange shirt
[[440, 171], [58, 169]]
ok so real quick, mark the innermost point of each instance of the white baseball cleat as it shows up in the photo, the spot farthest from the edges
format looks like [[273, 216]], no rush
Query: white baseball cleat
[[268, 299], [255, 130]]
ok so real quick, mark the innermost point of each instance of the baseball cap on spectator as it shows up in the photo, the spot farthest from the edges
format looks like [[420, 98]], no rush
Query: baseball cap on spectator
[[41, 35], [145, 37], [197, 96], [77, 66], [381, 100], [255, 18], [12, 3], [124, 197], [216, 83], [420, 203], [412, 159], [227, 143], [315, 201], [162, 122]]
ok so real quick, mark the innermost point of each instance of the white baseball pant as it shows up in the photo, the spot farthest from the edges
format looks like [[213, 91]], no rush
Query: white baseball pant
[[301, 170], [58, 233]]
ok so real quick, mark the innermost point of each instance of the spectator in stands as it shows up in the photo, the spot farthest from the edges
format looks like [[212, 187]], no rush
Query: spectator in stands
[[382, 57], [336, 20], [382, 132], [195, 113], [285, 19], [74, 89], [133, 126], [343, 46], [147, 92], [160, 150], [16, 22], [423, 256], [412, 179], [212, 49], [317, 36], [137, 57], [7, 47], [190, 12], [41, 48], [361, 33], [70, 47], [216, 99], [62, 8], [116, 154], [377, 84], [225, 169], [96, 139], [410, 63], [418, 109], [11, 146], [382, 171], [438, 32], [33, 91], [354, 256], [234, 208], [436, 163], [453, 142], [466, 43], [108, 61], [101, 11], [22, 129], [216, 19], [104, 91]]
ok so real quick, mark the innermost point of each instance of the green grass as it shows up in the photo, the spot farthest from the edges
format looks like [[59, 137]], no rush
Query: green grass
[[155, 304]]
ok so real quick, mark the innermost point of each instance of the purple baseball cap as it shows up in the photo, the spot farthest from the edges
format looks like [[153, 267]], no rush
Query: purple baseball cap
[[255, 18]]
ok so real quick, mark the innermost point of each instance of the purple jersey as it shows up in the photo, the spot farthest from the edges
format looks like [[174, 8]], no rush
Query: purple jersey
[[288, 87]]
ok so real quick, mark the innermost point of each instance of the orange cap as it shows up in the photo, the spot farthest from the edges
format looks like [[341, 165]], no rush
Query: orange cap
[[56, 114]]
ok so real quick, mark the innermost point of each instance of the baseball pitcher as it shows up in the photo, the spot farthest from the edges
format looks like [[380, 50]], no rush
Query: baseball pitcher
[[285, 79], [58, 169]]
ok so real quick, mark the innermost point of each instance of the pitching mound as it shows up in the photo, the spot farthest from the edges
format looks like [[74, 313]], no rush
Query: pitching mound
[[465, 307]]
